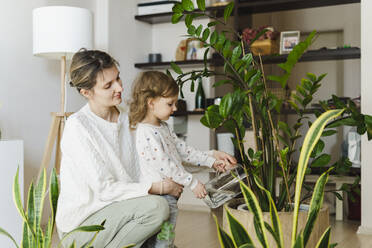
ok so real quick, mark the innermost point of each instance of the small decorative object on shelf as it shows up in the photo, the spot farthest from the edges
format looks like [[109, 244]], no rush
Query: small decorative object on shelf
[[288, 40], [200, 97], [266, 44], [219, 2], [181, 50], [194, 49], [154, 57], [149, 8], [224, 187]]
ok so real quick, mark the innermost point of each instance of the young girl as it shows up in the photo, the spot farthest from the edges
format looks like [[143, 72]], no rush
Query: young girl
[[160, 151]]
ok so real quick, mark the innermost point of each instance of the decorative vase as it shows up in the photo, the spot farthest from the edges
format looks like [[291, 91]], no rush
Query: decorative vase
[[200, 97]]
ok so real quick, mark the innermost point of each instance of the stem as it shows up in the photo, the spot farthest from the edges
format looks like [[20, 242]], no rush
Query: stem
[[251, 108], [275, 135]]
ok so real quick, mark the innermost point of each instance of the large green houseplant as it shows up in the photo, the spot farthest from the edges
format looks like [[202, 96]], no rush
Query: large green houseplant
[[251, 102]]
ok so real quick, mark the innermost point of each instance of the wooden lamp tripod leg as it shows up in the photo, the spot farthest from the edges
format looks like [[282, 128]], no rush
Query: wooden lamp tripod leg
[[53, 131]]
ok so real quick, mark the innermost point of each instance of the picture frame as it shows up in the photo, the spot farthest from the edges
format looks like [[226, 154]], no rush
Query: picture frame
[[288, 40], [194, 49]]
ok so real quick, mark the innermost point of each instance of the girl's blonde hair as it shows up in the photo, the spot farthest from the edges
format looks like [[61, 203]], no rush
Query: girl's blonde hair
[[149, 84]]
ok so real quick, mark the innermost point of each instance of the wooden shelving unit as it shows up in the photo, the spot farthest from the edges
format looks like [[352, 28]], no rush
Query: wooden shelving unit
[[252, 7], [315, 55]]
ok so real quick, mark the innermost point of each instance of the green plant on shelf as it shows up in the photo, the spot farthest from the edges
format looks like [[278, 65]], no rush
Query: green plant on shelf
[[276, 142]]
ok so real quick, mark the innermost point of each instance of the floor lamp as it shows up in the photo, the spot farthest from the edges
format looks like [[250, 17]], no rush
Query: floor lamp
[[59, 32]]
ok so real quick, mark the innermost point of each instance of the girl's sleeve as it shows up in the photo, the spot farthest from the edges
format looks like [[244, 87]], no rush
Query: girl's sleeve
[[191, 155], [83, 159], [152, 155]]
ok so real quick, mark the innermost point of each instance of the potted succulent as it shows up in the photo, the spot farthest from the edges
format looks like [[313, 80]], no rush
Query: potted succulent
[[250, 102]]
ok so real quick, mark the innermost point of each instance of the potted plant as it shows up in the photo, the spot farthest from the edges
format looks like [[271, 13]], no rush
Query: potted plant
[[251, 102], [33, 234]]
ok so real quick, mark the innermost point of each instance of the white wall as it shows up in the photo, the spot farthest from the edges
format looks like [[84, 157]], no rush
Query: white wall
[[366, 20], [29, 86]]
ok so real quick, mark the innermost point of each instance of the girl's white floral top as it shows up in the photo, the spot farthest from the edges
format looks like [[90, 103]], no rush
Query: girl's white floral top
[[161, 153]]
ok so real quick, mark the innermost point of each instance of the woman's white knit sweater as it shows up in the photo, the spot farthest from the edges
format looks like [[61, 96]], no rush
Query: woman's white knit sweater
[[99, 166]]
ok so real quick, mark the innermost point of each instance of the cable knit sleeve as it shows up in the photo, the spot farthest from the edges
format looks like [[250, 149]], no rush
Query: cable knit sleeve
[[86, 159], [152, 156], [191, 155]]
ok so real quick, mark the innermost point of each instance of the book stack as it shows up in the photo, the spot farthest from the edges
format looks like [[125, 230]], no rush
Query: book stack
[[150, 7]]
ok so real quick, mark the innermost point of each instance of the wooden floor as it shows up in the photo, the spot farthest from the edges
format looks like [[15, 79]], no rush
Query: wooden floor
[[198, 230]]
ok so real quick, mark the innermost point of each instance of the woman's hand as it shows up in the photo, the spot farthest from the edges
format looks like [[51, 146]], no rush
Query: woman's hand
[[229, 160], [170, 187], [166, 187]]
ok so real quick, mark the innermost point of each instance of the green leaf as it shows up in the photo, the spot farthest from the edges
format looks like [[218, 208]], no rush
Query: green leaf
[[226, 105], [311, 138], [188, 20], [255, 209], [205, 35], [318, 149], [221, 82], [201, 4], [237, 52], [328, 133], [176, 68], [254, 78], [321, 161], [315, 205], [3, 232], [311, 76], [187, 5], [212, 118], [177, 8], [213, 38], [239, 234], [92, 228], [285, 128], [211, 24], [324, 240], [176, 17], [228, 10], [199, 30], [223, 237], [349, 121]]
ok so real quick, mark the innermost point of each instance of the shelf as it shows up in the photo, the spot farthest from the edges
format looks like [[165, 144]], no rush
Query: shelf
[[317, 55], [259, 6], [185, 113], [167, 16], [251, 7], [312, 55], [185, 64]]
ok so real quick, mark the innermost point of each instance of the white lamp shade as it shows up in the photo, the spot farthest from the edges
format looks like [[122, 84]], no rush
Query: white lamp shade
[[61, 31]]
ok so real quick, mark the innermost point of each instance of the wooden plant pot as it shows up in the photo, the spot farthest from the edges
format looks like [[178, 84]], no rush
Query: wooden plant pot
[[245, 217], [264, 47]]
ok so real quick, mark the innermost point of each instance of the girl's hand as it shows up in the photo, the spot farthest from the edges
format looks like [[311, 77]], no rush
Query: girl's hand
[[199, 191], [220, 155], [219, 165], [170, 187]]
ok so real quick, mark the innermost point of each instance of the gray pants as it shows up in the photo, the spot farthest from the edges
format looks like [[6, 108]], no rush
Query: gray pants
[[153, 242], [131, 221]]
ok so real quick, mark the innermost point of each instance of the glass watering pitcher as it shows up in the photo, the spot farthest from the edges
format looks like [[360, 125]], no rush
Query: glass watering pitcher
[[224, 187]]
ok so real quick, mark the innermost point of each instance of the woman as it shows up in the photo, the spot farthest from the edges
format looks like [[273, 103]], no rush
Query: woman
[[99, 169], [99, 173]]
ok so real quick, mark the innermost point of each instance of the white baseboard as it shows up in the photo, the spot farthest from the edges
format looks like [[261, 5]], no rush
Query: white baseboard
[[191, 207], [364, 230]]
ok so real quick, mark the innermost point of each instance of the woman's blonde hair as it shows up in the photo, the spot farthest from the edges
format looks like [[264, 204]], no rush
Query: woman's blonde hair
[[149, 84]]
